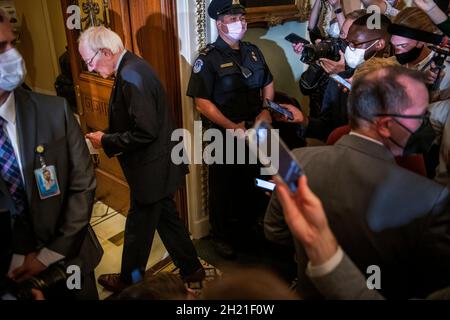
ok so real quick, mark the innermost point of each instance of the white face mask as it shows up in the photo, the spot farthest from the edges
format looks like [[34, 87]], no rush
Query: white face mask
[[12, 70], [235, 30], [355, 57], [333, 30]]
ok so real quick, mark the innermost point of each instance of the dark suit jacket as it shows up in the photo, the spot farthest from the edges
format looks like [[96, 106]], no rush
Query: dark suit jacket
[[60, 223], [381, 214], [139, 133]]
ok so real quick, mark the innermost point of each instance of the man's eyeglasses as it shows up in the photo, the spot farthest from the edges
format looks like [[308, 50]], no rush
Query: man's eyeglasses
[[354, 45], [423, 116], [89, 63]]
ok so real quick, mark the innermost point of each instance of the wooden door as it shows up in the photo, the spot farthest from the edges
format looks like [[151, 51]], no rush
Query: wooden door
[[148, 28]]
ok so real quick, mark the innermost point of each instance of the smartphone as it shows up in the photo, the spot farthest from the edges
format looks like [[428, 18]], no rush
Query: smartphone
[[263, 184], [341, 81], [295, 38], [277, 108], [261, 140]]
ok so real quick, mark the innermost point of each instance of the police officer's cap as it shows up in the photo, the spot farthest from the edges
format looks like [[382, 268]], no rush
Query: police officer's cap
[[220, 7]]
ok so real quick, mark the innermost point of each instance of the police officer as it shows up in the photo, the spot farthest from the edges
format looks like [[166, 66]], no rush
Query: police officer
[[229, 81]]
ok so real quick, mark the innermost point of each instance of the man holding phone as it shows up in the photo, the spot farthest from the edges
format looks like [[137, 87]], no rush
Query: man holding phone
[[229, 81], [381, 214]]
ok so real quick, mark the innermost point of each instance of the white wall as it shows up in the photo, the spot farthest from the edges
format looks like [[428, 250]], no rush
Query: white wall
[[187, 32]]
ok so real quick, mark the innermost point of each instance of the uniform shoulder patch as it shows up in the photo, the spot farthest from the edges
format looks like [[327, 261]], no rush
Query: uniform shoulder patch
[[198, 65]]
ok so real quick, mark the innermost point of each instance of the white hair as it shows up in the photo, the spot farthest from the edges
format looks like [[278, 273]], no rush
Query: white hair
[[97, 38]]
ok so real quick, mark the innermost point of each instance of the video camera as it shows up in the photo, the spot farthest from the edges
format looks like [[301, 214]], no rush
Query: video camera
[[328, 49], [11, 290], [439, 58]]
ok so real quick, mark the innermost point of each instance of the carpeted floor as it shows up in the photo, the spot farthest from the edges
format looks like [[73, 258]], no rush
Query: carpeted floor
[[255, 251]]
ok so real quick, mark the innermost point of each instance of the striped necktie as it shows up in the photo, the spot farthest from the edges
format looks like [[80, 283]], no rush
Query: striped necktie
[[10, 171]]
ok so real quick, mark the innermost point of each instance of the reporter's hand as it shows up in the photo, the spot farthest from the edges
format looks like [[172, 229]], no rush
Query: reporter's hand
[[298, 47], [307, 221], [30, 267], [425, 5], [298, 115], [333, 67], [431, 76], [335, 3]]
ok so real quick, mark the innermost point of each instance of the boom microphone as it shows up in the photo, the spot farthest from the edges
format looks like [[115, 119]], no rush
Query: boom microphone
[[419, 35]]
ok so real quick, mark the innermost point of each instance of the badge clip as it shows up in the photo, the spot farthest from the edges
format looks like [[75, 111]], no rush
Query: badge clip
[[40, 150]]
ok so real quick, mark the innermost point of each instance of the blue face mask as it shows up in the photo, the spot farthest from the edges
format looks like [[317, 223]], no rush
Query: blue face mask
[[12, 70]]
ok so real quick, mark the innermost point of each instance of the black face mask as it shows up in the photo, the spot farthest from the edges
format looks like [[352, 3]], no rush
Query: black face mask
[[419, 141], [411, 55]]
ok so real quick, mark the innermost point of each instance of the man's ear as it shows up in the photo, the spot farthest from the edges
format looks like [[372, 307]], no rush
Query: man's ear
[[383, 126], [380, 45], [107, 53]]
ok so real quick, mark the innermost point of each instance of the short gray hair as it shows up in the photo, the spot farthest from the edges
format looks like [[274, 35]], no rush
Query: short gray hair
[[378, 92], [97, 38]]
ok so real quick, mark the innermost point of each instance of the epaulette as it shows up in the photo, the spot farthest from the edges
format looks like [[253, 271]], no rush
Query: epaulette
[[249, 44], [206, 49]]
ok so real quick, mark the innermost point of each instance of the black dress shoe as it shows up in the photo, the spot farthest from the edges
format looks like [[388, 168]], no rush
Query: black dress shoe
[[112, 282], [197, 276], [224, 250]]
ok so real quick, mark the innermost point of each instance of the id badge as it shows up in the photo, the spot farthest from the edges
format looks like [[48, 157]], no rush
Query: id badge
[[47, 182]]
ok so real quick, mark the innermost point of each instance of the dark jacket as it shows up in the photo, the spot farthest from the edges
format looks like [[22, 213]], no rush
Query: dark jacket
[[139, 133], [381, 215], [59, 223]]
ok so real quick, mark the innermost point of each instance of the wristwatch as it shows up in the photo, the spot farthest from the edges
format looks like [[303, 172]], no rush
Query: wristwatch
[[338, 10]]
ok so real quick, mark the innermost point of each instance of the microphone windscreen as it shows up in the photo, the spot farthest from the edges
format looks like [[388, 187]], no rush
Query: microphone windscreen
[[415, 34]]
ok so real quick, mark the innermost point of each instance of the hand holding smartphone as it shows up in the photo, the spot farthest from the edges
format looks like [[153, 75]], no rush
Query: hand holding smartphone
[[279, 109], [295, 38], [281, 161], [341, 81]]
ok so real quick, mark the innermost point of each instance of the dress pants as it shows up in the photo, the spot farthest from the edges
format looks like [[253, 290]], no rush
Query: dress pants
[[235, 203], [142, 221]]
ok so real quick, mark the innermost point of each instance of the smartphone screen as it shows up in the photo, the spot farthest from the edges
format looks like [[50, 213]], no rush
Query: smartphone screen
[[342, 81], [277, 108], [263, 184], [285, 166]]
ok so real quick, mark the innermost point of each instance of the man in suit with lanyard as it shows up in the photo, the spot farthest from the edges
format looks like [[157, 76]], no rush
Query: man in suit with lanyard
[[42, 227], [139, 135]]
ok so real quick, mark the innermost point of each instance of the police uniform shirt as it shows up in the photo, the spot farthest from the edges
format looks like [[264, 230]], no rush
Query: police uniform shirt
[[217, 77]]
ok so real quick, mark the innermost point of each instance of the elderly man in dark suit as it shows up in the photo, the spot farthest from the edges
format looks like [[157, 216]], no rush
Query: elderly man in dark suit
[[382, 215], [139, 134], [39, 133]]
